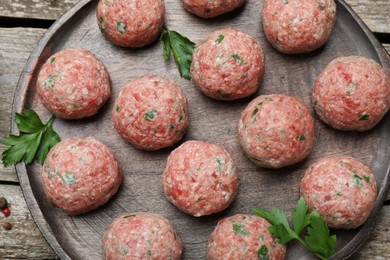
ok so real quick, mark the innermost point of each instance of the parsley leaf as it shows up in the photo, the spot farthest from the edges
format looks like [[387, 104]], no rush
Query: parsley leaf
[[34, 141], [262, 253], [182, 49], [318, 239]]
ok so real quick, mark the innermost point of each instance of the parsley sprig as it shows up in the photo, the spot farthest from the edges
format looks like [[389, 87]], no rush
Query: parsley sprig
[[318, 239], [34, 141], [182, 49]]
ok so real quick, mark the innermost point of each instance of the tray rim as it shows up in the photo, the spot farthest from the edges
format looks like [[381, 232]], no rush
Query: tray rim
[[21, 170]]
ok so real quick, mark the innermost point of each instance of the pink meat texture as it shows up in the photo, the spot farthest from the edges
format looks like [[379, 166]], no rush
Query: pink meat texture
[[352, 93], [73, 84], [131, 23], [296, 26], [240, 237], [139, 235], [276, 131], [80, 174], [200, 178], [341, 189], [151, 113], [210, 9], [229, 65]]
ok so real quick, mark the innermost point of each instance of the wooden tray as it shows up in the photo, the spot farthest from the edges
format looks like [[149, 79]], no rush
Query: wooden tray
[[79, 237]]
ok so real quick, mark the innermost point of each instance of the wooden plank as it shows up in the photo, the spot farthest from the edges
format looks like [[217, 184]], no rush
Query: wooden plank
[[45, 9], [377, 245], [218, 126], [374, 13], [16, 46], [24, 239], [387, 47]]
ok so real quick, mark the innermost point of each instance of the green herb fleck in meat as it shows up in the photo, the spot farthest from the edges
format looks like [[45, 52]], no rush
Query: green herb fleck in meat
[[269, 99], [223, 95], [259, 138], [338, 194], [150, 115], [118, 109], [262, 253], [239, 59], [357, 180], [171, 126], [69, 179], [366, 178], [49, 82], [207, 10], [121, 27], [123, 249], [149, 241], [285, 2], [220, 162], [149, 252], [364, 117], [52, 60], [302, 138], [129, 216], [182, 116], [260, 103], [255, 111], [348, 92], [321, 4], [220, 38], [239, 229]]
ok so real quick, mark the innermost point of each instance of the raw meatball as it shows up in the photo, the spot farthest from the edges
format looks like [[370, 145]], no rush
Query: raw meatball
[[228, 65], [73, 84], [151, 113], [276, 131], [141, 235], [131, 23], [296, 26], [241, 237], [341, 189], [352, 93], [80, 174], [210, 9], [200, 178]]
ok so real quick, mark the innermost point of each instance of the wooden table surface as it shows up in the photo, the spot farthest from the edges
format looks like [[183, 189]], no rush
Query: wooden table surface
[[22, 23]]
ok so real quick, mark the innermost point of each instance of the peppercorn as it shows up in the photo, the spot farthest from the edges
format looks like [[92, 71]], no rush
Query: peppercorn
[[6, 212], [3, 203], [7, 225]]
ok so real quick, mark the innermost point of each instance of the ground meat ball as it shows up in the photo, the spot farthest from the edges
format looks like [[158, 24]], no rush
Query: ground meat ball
[[241, 237], [151, 112], [80, 174], [295, 26], [131, 23], [352, 93], [228, 65], [276, 131], [140, 235], [200, 178], [210, 9], [341, 189], [73, 84]]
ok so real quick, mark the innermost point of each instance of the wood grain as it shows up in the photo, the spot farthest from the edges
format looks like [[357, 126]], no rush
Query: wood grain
[[24, 239], [15, 44], [292, 75], [43, 9], [375, 13]]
